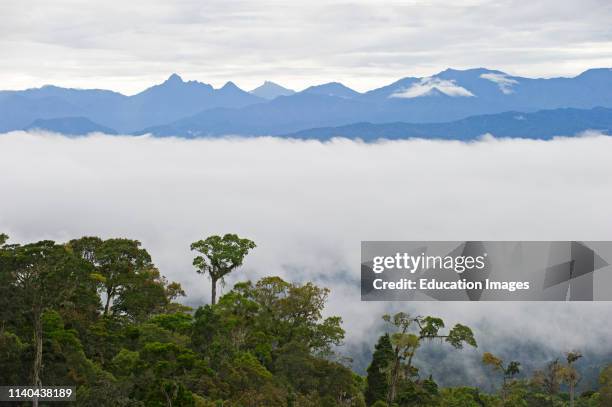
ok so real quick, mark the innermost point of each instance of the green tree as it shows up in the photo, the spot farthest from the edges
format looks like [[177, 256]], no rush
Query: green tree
[[408, 337], [461, 397], [62, 347], [116, 262], [605, 386], [146, 293], [328, 383], [44, 276], [549, 380], [282, 326], [290, 314], [157, 372], [9, 304], [219, 257], [570, 374], [267, 318], [507, 372], [12, 351], [377, 377], [132, 286], [421, 393]]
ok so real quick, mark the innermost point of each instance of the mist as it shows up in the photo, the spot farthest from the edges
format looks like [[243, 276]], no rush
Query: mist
[[309, 204]]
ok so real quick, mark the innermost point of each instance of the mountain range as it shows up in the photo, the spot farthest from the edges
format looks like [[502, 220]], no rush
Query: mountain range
[[453, 103], [543, 124], [270, 90]]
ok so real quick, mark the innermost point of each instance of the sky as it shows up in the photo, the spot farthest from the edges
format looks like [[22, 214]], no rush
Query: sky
[[129, 45], [310, 207]]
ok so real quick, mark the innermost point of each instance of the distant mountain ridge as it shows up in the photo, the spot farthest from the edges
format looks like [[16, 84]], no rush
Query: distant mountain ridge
[[159, 104], [270, 90], [70, 126], [195, 109], [543, 124], [334, 89]]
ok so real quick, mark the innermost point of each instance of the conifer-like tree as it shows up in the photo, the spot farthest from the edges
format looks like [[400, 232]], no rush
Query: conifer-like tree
[[377, 379]]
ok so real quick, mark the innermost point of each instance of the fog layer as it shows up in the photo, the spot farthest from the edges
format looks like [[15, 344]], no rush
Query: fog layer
[[309, 204]]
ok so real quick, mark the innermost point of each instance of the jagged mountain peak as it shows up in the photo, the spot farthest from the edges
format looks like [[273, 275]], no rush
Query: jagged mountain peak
[[174, 78], [230, 85]]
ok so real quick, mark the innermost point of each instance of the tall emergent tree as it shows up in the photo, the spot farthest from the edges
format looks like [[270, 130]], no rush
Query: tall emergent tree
[[570, 375], [406, 343], [220, 256]]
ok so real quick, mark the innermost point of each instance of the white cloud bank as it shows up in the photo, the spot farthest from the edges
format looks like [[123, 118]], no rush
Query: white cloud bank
[[308, 205]]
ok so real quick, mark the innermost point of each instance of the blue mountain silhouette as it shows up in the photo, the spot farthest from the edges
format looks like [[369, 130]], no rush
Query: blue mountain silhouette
[[544, 124], [448, 96], [270, 90], [190, 108], [72, 126], [163, 103]]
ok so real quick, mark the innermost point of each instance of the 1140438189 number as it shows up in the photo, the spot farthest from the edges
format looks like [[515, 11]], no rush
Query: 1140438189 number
[[25, 393]]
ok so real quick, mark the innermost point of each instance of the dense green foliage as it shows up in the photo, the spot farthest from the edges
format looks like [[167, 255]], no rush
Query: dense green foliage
[[377, 385], [98, 315]]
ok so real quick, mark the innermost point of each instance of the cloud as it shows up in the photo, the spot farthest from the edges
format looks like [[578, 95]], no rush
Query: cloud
[[127, 46], [425, 86], [504, 82], [308, 204]]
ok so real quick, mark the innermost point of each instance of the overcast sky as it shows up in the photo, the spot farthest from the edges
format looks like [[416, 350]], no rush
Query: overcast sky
[[129, 45]]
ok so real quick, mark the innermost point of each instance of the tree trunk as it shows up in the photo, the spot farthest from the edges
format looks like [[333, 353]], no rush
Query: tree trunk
[[394, 378], [168, 399], [109, 295], [213, 300], [571, 393], [38, 344], [409, 364]]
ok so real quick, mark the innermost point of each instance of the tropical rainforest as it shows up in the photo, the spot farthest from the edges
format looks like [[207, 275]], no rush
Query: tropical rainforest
[[99, 316]]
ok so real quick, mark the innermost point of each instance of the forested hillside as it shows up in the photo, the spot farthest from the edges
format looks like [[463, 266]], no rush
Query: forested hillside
[[98, 315]]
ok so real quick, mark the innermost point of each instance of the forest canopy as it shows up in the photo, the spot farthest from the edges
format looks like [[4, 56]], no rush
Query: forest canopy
[[98, 315]]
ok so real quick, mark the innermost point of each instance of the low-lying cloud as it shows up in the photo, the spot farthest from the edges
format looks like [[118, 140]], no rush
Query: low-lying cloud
[[308, 204], [425, 86], [503, 81]]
